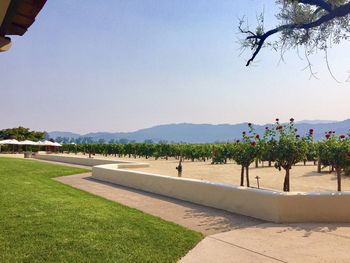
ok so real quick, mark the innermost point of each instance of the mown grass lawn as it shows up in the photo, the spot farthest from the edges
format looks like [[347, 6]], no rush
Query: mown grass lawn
[[42, 220]]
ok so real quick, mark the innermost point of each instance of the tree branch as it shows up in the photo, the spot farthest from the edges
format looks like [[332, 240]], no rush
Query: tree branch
[[337, 12]]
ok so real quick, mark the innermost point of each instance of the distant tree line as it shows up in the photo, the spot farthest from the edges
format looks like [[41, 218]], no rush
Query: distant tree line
[[21, 134], [91, 140], [88, 140]]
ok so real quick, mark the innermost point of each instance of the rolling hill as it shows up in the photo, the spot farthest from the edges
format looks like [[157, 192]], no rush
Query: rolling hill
[[203, 133]]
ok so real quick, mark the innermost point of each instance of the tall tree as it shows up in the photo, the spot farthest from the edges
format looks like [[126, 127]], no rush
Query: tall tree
[[21, 133]]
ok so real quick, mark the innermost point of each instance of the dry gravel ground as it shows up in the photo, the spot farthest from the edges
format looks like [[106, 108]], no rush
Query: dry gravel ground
[[303, 178]]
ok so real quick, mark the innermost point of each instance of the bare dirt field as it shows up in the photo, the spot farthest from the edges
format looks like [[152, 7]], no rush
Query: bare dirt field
[[303, 178]]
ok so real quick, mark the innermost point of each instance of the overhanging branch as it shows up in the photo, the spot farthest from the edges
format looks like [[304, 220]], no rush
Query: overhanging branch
[[337, 12]]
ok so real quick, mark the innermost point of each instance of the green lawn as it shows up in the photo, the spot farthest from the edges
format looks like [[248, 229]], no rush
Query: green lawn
[[42, 220]]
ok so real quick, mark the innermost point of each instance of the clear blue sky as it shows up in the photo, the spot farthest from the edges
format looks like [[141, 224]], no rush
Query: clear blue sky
[[122, 65]]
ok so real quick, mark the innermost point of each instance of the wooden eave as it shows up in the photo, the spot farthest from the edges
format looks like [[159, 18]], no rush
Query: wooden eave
[[20, 16]]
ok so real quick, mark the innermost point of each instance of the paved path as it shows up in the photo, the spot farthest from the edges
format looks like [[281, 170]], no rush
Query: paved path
[[231, 237], [275, 243]]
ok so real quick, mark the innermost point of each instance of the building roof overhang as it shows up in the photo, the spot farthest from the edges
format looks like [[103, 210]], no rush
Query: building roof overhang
[[16, 16]]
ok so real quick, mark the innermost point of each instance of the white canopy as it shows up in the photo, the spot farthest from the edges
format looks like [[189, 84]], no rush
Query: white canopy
[[11, 141], [45, 143], [49, 143], [28, 142]]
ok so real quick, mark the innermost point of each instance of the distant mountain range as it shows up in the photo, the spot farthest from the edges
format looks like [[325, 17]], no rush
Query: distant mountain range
[[204, 133], [315, 121]]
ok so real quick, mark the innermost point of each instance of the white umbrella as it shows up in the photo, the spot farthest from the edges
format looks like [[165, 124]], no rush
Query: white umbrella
[[45, 143], [49, 143], [28, 142], [11, 141]]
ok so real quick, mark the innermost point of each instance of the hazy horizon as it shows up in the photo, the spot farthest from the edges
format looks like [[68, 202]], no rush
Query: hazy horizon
[[87, 66], [178, 123]]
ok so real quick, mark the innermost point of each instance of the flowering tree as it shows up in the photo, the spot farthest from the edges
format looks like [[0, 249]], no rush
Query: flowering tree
[[245, 152], [311, 153], [266, 146], [324, 153], [335, 151], [289, 150]]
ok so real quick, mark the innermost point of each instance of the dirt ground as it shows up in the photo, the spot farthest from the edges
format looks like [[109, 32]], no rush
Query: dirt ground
[[303, 178]]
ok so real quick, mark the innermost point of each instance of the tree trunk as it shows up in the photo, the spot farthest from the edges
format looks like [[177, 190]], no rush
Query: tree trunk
[[286, 181], [179, 168], [256, 163], [319, 165], [242, 175], [247, 175], [338, 179], [270, 163]]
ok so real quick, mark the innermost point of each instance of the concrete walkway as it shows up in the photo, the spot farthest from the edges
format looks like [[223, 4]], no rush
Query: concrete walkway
[[231, 237], [275, 243]]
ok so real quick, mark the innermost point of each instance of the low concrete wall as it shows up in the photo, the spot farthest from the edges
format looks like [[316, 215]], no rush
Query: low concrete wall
[[86, 161], [268, 205], [328, 207]]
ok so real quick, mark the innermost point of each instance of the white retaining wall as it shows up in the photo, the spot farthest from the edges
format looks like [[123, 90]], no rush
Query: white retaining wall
[[269, 205], [84, 160]]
